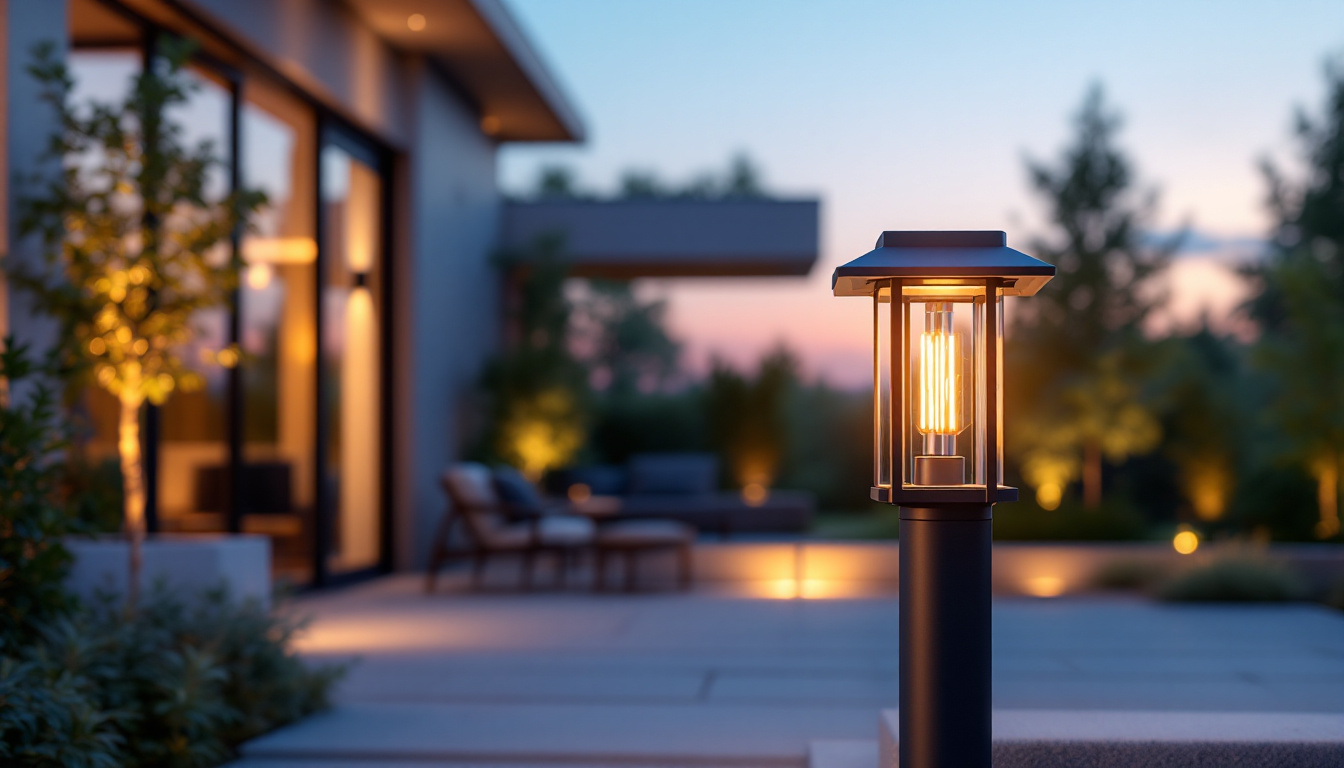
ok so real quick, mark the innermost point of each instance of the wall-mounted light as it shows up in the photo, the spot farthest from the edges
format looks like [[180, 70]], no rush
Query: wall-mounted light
[[416, 22], [259, 276], [361, 279]]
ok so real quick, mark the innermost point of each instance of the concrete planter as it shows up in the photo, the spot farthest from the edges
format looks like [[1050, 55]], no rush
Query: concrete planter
[[186, 564]]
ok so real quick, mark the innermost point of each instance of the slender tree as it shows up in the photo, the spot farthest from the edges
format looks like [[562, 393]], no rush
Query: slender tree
[[134, 247], [537, 388], [1300, 301], [1079, 342]]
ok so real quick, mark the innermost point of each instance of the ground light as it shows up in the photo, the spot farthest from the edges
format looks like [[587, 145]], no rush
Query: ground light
[[938, 454]]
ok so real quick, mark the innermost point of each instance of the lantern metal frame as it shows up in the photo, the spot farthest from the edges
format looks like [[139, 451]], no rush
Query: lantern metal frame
[[974, 266]]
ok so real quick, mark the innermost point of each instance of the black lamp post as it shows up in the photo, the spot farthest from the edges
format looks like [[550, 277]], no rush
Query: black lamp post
[[938, 453]]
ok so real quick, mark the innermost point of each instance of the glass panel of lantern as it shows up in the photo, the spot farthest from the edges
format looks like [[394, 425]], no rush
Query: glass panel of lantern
[[944, 382]]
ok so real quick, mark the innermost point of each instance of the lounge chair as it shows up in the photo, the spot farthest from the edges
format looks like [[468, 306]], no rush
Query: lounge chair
[[490, 526]]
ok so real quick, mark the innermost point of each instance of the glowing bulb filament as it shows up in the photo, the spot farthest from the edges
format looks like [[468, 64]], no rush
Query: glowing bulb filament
[[939, 395]]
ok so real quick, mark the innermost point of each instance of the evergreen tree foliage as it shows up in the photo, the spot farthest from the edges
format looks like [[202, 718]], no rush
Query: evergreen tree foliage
[[1300, 302], [624, 339], [1078, 350], [33, 562]]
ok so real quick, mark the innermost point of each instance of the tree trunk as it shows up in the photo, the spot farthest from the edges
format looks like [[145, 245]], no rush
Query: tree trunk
[[1327, 497], [133, 485], [1091, 474]]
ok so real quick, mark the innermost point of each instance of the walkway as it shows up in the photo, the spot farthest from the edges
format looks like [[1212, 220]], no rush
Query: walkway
[[711, 679]]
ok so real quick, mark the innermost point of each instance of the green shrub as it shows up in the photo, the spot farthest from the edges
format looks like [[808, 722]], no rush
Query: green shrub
[[1025, 521], [1234, 579], [181, 683], [1138, 575], [33, 563]]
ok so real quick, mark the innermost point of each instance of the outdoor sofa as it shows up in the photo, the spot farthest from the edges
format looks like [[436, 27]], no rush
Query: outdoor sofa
[[684, 487]]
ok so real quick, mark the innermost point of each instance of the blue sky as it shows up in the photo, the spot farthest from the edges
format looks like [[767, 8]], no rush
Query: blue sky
[[905, 115]]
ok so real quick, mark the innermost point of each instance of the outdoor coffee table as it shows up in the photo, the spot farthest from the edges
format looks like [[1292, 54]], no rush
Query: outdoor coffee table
[[635, 537]]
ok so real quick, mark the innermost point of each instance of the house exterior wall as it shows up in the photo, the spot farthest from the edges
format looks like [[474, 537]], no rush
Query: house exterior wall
[[449, 312], [444, 215], [25, 125], [323, 48]]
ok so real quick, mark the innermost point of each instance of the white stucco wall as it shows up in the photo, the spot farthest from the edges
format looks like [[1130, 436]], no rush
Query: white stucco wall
[[448, 320]]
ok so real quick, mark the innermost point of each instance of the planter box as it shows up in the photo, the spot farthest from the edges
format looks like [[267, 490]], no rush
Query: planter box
[[241, 563]]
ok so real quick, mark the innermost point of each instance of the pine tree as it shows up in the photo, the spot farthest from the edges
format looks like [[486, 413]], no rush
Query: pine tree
[[1078, 343], [1300, 302]]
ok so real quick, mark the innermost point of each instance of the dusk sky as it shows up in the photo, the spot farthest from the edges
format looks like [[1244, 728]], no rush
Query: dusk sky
[[903, 115]]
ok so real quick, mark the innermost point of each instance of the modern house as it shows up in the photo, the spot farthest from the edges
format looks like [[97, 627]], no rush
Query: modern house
[[370, 299]]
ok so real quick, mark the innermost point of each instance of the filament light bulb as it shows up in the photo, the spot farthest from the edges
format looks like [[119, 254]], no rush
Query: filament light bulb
[[940, 384], [941, 413]]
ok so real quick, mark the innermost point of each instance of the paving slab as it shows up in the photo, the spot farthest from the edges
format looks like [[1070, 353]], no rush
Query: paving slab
[[650, 734], [707, 678]]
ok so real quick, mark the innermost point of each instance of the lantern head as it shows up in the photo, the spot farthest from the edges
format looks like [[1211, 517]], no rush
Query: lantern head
[[938, 360]]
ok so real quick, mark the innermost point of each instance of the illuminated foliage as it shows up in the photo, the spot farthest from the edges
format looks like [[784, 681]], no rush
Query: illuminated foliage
[[134, 245], [1300, 304], [1078, 356]]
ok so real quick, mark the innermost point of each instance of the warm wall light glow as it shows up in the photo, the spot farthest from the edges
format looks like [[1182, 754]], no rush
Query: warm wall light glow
[[754, 494], [359, 443], [806, 589], [1044, 586], [1049, 495], [939, 384], [580, 492], [1207, 483], [259, 276], [416, 22], [279, 250], [1185, 542]]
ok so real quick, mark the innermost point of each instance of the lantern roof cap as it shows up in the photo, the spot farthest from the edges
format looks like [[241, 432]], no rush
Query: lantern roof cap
[[959, 255]]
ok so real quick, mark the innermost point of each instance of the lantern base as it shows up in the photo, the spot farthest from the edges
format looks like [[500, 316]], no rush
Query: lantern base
[[940, 470], [945, 636]]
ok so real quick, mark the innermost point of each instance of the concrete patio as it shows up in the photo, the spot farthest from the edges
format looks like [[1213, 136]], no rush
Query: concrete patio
[[714, 678]]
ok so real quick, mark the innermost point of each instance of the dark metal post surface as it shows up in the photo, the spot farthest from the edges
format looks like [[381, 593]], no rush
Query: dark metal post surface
[[945, 637]]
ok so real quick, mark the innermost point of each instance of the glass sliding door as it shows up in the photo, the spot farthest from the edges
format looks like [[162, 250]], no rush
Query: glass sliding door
[[351, 353], [278, 328], [287, 437], [193, 443]]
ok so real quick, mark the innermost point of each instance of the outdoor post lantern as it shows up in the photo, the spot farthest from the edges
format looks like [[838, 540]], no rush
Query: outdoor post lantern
[[938, 454]]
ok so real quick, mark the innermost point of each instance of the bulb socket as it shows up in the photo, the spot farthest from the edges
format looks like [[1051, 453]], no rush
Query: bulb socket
[[940, 470]]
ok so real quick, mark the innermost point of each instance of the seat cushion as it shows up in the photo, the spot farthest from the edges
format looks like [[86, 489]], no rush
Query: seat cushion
[[645, 532], [565, 530], [515, 491]]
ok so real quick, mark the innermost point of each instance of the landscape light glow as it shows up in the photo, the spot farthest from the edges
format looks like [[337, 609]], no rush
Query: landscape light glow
[[1185, 542]]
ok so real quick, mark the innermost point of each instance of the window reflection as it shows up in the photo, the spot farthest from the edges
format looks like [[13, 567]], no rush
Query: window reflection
[[278, 327], [352, 238], [193, 453]]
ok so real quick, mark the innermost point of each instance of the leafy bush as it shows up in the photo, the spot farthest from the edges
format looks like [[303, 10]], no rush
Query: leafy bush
[[1234, 579], [1138, 575], [92, 492], [181, 683], [32, 561], [1112, 521]]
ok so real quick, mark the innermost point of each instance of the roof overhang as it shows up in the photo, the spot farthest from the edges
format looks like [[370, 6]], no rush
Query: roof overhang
[[481, 46], [624, 239], [944, 258]]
